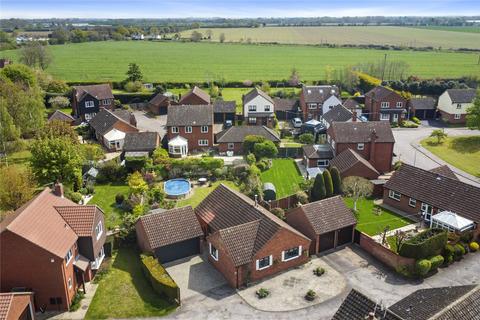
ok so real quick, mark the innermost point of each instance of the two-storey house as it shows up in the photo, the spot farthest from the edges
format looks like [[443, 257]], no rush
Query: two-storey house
[[196, 96], [453, 104], [88, 100], [384, 104], [258, 108], [317, 100]]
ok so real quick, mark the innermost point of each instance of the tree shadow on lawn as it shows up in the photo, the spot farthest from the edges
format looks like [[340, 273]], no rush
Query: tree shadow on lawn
[[466, 144]]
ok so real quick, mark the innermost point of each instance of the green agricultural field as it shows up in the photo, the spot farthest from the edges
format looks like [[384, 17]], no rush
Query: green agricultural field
[[471, 29], [199, 62], [359, 35]]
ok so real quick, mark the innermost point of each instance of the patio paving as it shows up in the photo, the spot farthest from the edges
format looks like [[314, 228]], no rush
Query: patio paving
[[287, 290]]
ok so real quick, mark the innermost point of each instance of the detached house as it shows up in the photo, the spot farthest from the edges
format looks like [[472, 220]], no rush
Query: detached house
[[258, 108], [110, 127], [245, 241], [382, 103], [51, 246], [232, 138], [317, 100], [372, 140], [89, 100], [196, 96], [453, 104], [189, 129]]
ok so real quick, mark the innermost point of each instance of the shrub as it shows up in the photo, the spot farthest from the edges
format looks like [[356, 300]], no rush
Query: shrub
[[466, 236], [266, 149], [111, 171], [76, 301], [250, 141], [302, 197], [83, 191], [119, 198], [262, 293], [250, 158], [397, 165], [436, 262], [458, 252], [262, 165], [160, 155], [473, 246], [318, 271], [159, 278], [90, 189], [279, 212], [133, 86], [448, 252], [74, 196], [336, 180], [306, 138], [422, 267], [327, 178], [311, 295], [416, 120], [428, 243]]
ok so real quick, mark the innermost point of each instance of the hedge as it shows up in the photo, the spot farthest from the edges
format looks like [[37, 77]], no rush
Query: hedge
[[436, 262], [159, 278], [422, 267], [428, 243]]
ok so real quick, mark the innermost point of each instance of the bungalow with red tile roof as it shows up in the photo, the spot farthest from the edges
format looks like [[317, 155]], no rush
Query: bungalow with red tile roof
[[51, 246]]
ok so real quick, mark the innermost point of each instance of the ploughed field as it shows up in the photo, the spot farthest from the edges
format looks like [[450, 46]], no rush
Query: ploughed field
[[201, 62]]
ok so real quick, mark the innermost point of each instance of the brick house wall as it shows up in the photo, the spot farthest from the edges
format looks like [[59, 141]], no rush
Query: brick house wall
[[450, 118], [383, 153], [237, 147], [373, 106], [141, 238], [359, 170], [193, 99], [403, 204], [224, 265], [296, 218], [193, 137], [314, 113], [24, 264]]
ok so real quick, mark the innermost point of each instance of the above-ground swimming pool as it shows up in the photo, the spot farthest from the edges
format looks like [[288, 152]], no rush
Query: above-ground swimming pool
[[176, 188]]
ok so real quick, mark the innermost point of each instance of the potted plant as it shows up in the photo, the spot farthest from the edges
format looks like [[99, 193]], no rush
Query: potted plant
[[262, 293], [318, 271], [311, 295]]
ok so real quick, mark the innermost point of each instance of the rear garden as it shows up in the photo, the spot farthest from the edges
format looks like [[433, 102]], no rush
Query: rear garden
[[104, 197], [201, 192], [284, 175]]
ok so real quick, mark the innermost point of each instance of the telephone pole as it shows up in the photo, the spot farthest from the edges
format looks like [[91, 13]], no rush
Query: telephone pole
[[384, 65]]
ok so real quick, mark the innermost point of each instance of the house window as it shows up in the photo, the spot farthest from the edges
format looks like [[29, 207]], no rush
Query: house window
[[105, 102], [360, 146], [174, 129], [231, 146], [394, 195], [264, 262], [252, 120], [69, 256], [384, 116], [267, 108], [333, 144], [312, 106], [385, 105], [203, 142], [412, 202], [204, 129], [322, 163], [459, 106], [89, 104], [69, 282], [457, 116], [188, 129], [292, 253], [427, 211], [252, 108], [399, 104], [99, 229], [213, 252]]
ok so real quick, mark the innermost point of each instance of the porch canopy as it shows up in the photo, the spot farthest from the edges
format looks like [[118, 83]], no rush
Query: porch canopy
[[114, 135], [178, 146], [451, 221]]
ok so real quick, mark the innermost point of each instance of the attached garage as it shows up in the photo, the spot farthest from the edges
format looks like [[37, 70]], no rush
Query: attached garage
[[223, 111], [423, 108], [170, 234], [329, 223]]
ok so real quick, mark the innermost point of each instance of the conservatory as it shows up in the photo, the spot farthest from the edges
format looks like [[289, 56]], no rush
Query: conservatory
[[178, 147], [451, 221]]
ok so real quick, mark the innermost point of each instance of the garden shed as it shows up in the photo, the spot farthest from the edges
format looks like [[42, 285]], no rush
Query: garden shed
[[269, 191], [452, 222]]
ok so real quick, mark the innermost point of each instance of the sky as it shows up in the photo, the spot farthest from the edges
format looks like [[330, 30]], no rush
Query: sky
[[233, 8]]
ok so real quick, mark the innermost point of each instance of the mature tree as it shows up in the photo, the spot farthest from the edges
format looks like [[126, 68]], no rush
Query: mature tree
[[266, 149], [59, 102], [439, 134], [473, 113], [57, 86], [336, 179], [327, 178], [9, 133], [78, 35], [266, 87], [56, 159], [20, 74], [250, 141], [196, 36], [222, 37], [92, 151], [60, 35], [318, 191], [160, 155], [137, 184], [122, 30], [209, 34], [34, 54], [58, 129], [357, 187], [16, 187], [306, 138], [134, 73], [294, 79]]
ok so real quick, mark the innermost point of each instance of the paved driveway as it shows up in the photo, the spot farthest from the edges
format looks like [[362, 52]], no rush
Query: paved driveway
[[149, 123]]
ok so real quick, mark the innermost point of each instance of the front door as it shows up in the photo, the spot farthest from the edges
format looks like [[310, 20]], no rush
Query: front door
[[395, 117], [426, 211]]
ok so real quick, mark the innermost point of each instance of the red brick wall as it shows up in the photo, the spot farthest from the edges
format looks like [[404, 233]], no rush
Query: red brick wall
[[403, 204], [122, 126], [193, 137], [193, 99], [382, 160], [296, 218], [237, 148], [450, 118], [360, 170], [373, 106], [23, 264], [142, 238], [224, 264]]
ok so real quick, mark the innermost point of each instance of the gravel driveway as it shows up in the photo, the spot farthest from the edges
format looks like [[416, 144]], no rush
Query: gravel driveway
[[148, 123]]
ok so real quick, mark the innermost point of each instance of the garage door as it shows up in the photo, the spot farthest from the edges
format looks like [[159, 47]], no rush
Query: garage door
[[345, 235], [327, 241], [163, 110], [178, 250]]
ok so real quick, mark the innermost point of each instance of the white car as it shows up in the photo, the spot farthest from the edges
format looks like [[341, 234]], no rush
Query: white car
[[296, 122]]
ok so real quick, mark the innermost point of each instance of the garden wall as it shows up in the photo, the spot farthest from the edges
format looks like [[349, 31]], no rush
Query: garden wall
[[284, 203], [382, 253], [290, 152]]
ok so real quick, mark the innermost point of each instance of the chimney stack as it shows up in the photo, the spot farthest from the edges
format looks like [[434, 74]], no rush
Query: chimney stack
[[354, 116], [58, 189], [256, 200], [373, 139]]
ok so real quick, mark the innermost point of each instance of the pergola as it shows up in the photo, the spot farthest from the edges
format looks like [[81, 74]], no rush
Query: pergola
[[451, 221], [178, 146]]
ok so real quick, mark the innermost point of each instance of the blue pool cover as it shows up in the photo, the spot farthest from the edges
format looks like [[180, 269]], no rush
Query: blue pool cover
[[177, 187]]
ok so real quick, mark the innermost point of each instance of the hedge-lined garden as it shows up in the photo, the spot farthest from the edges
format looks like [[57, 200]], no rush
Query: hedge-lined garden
[[158, 277]]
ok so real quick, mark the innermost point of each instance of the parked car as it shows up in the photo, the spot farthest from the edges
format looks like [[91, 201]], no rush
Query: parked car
[[228, 124], [296, 122]]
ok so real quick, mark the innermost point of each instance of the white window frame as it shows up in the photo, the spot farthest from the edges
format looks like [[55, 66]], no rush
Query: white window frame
[[360, 146], [204, 129], [312, 106], [203, 143], [212, 254], [174, 129], [68, 256], [399, 104], [89, 116], [252, 108], [252, 120], [89, 104], [99, 229], [459, 106], [188, 129], [105, 102], [323, 163], [267, 108], [70, 283], [412, 202], [384, 117], [457, 116], [394, 195], [385, 105], [292, 258], [270, 262], [231, 146]]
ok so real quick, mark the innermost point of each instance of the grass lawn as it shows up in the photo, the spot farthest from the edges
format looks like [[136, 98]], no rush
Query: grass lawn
[[125, 293], [199, 62], [372, 224], [201, 193], [460, 152], [104, 197], [19, 158], [284, 175]]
